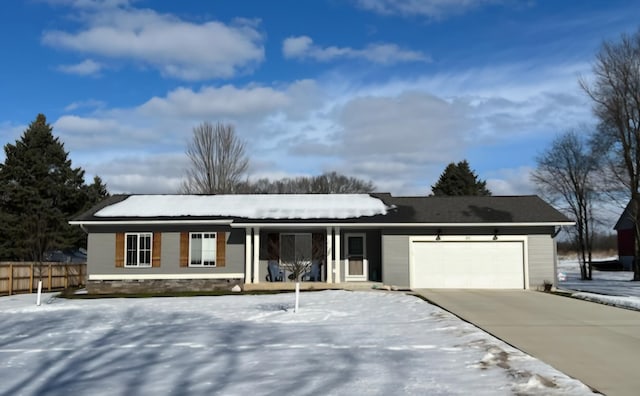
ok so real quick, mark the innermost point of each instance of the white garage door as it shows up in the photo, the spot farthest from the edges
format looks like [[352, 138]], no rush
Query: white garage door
[[468, 265]]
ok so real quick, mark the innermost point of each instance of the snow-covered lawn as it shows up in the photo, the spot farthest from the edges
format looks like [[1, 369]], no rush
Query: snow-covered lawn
[[340, 343], [610, 287]]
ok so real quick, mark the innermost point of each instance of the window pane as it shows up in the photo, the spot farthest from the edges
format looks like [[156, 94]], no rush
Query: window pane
[[145, 257], [202, 248], [356, 246], [287, 248], [146, 238], [144, 252], [132, 249], [209, 249], [196, 248], [303, 247]]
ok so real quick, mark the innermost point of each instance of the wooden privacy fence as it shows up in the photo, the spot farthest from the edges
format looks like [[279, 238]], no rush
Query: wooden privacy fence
[[23, 277]]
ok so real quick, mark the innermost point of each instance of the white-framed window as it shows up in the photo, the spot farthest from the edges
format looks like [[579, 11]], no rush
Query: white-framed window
[[138, 249], [202, 249], [295, 247]]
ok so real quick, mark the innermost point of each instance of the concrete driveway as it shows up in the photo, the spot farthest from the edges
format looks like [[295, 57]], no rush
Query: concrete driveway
[[597, 344]]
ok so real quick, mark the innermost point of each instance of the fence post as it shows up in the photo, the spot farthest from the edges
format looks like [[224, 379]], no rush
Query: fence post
[[50, 276], [66, 276], [10, 278], [31, 278]]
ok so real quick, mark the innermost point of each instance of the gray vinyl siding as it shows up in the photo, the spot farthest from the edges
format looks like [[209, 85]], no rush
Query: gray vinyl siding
[[541, 256], [374, 255], [101, 256], [101, 253], [395, 260]]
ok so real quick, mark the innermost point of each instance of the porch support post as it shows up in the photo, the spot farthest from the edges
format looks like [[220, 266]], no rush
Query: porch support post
[[336, 249], [247, 256], [328, 261], [256, 255]]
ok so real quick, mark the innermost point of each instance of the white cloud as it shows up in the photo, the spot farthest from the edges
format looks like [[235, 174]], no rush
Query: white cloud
[[429, 126], [400, 133], [427, 8], [403, 138], [102, 133], [89, 103], [87, 67], [295, 47], [512, 181], [212, 102], [151, 174], [178, 48], [302, 47]]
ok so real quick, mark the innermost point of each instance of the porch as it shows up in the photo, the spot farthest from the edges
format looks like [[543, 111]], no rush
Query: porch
[[310, 286], [329, 255]]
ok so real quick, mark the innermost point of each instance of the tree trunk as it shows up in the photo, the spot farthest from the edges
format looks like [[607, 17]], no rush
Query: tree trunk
[[635, 198]]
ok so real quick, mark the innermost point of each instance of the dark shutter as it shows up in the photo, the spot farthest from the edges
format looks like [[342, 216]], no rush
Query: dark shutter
[[221, 245], [184, 249], [119, 249], [156, 249]]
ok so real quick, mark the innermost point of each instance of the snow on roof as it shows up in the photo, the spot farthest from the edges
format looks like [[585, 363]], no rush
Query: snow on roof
[[275, 206]]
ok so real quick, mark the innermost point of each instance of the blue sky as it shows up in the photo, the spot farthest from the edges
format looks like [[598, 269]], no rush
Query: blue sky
[[386, 90]]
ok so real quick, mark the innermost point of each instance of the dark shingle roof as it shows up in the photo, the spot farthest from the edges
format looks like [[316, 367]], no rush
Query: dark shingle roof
[[474, 209], [406, 210]]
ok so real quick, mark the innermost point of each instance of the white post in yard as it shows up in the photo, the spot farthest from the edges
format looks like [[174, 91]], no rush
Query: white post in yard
[[336, 275], [256, 255], [329, 263], [247, 256], [39, 293], [295, 309]]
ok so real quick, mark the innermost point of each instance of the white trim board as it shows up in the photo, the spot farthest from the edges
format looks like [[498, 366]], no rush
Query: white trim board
[[397, 225], [106, 277], [233, 224], [151, 222]]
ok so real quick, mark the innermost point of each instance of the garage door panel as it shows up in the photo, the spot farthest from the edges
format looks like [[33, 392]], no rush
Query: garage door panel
[[468, 264]]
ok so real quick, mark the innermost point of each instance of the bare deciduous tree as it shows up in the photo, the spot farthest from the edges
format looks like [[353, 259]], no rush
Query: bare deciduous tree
[[327, 183], [615, 92], [564, 175], [218, 160]]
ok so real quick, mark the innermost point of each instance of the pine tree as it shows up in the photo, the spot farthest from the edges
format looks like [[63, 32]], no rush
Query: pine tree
[[39, 191], [91, 195], [458, 179]]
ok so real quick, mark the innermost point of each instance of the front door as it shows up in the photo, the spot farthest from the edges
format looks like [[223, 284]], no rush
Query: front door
[[356, 264]]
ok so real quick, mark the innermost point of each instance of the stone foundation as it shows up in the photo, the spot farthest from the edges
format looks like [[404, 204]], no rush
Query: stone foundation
[[160, 285]]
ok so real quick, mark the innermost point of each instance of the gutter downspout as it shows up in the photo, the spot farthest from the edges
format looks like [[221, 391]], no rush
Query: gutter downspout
[[555, 256]]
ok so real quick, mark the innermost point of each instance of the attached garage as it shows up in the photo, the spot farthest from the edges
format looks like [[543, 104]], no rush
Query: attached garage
[[472, 263]]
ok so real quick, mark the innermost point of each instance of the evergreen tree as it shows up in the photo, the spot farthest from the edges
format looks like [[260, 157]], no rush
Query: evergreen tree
[[96, 192], [459, 179], [39, 192], [91, 195]]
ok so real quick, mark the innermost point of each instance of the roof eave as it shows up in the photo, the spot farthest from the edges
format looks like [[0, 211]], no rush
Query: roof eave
[[307, 224], [148, 222], [400, 225]]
